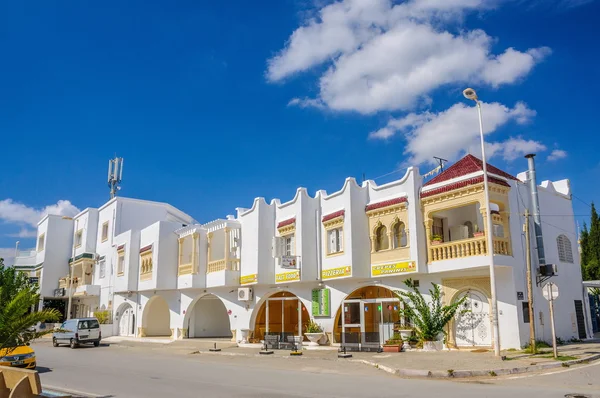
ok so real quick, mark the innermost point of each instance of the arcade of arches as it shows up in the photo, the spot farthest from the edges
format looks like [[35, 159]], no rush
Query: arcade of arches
[[207, 317], [281, 314], [156, 319]]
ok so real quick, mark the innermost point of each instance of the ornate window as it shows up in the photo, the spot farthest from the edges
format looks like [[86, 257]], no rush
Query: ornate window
[[565, 250], [336, 237], [146, 263], [290, 245], [399, 234], [381, 238]]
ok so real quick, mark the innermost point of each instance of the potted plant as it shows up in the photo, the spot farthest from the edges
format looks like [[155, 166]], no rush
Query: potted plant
[[314, 333], [436, 239], [476, 232], [393, 344], [429, 318], [406, 333]]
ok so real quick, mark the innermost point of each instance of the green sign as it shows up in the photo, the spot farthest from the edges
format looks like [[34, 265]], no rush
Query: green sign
[[320, 302]]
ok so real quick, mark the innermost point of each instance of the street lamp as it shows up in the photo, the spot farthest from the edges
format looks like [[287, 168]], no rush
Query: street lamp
[[469, 93]]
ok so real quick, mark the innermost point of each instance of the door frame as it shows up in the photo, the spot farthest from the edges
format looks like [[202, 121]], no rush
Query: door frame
[[362, 342], [282, 299]]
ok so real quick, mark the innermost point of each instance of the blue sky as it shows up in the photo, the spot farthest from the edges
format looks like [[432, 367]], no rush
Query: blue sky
[[214, 103]]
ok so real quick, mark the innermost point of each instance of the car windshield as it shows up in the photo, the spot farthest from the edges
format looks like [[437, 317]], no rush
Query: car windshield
[[89, 324]]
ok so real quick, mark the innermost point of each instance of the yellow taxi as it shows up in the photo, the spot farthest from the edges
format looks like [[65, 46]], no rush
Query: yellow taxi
[[21, 357]]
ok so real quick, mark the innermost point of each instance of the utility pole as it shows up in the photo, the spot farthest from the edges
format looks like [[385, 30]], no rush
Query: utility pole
[[71, 266], [529, 284]]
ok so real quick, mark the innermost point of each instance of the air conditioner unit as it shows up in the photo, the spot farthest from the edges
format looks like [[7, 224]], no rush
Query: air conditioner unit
[[245, 294], [548, 270]]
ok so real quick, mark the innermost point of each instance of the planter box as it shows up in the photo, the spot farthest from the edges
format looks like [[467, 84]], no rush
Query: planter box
[[392, 348]]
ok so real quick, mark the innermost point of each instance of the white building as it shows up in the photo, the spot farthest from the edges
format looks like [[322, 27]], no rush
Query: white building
[[336, 258]]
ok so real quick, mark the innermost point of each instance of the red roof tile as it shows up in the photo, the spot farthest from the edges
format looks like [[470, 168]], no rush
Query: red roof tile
[[462, 184], [121, 247], [331, 216], [467, 165], [385, 203], [145, 248], [286, 222]]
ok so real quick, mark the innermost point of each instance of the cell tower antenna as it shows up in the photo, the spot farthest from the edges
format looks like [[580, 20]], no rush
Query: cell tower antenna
[[115, 175], [441, 162]]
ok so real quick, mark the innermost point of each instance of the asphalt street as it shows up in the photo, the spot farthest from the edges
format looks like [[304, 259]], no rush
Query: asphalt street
[[131, 372]]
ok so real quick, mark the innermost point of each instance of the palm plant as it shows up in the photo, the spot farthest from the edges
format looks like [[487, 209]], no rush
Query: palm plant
[[429, 319], [17, 323]]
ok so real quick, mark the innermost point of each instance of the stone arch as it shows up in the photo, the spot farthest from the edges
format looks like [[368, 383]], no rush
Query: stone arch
[[364, 292], [156, 318], [125, 319], [207, 316]]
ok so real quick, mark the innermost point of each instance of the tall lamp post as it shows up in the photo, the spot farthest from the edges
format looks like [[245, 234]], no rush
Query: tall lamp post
[[469, 93]]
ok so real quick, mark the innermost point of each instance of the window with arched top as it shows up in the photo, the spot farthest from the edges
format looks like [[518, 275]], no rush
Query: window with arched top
[[565, 250], [381, 238], [399, 235]]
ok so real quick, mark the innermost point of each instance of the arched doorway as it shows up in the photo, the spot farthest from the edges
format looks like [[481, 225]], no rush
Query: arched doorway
[[370, 316], [156, 319], [126, 320], [207, 317], [472, 328], [281, 314]]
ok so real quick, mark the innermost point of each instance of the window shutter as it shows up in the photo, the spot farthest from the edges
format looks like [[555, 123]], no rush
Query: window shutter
[[341, 239], [276, 246], [293, 245]]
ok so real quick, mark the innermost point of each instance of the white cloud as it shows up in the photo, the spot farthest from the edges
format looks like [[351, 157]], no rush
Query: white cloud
[[18, 213], [449, 133], [382, 56], [8, 254], [557, 154], [24, 233]]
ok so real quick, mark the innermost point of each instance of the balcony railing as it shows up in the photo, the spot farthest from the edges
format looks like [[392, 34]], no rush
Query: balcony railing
[[467, 248], [221, 265]]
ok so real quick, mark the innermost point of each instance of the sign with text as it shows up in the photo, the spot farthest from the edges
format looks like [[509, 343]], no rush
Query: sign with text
[[248, 279], [339, 272], [60, 292], [393, 269], [287, 277], [320, 302], [289, 262]]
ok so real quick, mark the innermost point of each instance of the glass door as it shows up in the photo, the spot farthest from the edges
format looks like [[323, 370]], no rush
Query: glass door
[[371, 336], [352, 324]]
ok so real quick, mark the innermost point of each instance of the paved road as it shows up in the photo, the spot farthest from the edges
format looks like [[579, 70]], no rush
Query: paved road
[[131, 372]]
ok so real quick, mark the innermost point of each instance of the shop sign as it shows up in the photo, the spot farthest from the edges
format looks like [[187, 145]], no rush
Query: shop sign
[[393, 269], [60, 292], [320, 302], [248, 279], [287, 277], [289, 262], [339, 272]]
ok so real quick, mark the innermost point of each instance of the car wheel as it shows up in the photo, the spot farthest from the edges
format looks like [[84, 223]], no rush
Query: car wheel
[[96, 343], [54, 343], [73, 344]]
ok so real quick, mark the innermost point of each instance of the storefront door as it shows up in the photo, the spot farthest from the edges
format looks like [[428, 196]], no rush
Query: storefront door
[[367, 324], [284, 317], [473, 327]]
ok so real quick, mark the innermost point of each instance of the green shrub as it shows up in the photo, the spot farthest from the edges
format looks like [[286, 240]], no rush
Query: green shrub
[[104, 317]]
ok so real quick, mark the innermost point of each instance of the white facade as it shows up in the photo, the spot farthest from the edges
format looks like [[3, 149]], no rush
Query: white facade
[[162, 274]]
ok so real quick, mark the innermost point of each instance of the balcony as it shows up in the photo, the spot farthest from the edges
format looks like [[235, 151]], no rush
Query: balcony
[[87, 291], [467, 248], [223, 253], [460, 232]]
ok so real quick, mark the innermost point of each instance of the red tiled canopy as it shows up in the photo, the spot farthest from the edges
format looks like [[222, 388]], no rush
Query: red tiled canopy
[[331, 216], [121, 247], [286, 222], [385, 203], [145, 248], [462, 184], [467, 165]]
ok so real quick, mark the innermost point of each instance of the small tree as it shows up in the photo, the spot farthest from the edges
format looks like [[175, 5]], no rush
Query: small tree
[[17, 297], [429, 319]]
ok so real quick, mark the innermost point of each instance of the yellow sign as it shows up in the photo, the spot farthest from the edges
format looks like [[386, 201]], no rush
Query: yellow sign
[[336, 272], [248, 279], [287, 277], [393, 269]]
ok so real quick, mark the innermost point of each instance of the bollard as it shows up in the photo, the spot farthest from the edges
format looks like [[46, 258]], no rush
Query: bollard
[[265, 350], [343, 353], [215, 349]]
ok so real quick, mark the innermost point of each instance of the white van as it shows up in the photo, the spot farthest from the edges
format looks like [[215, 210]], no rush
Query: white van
[[78, 331]]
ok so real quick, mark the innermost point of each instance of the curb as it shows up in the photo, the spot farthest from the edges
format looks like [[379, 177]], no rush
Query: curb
[[476, 373]]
